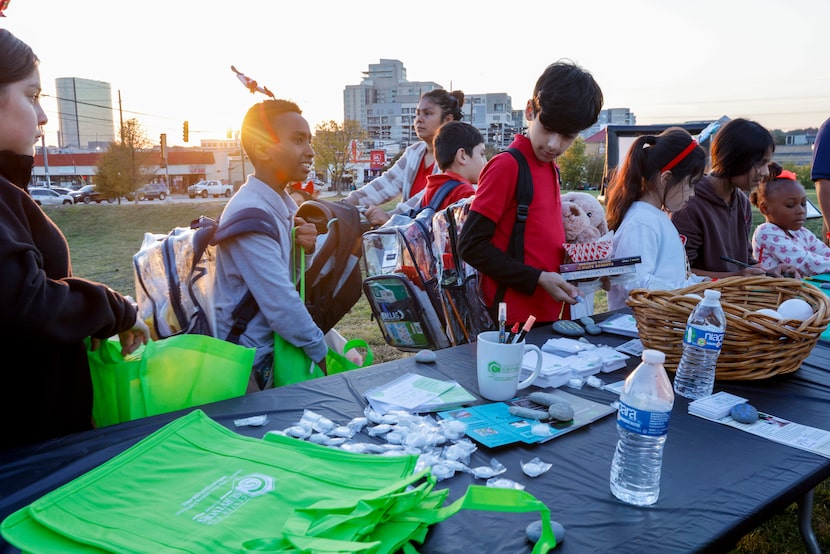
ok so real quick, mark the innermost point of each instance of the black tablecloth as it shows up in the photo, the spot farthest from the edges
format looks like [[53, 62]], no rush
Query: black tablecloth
[[718, 482]]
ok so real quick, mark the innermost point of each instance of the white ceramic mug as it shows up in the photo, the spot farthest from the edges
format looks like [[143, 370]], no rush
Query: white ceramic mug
[[499, 366]]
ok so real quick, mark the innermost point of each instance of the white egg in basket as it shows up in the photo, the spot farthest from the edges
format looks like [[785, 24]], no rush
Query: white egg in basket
[[769, 312], [795, 308]]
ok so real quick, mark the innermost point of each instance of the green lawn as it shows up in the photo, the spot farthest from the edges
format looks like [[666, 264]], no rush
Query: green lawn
[[103, 239]]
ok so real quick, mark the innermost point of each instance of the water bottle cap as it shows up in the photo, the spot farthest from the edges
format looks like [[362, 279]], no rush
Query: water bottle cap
[[653, 356], [711, 293]]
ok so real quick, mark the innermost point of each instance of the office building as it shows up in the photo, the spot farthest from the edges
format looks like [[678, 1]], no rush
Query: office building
[[85, 114]]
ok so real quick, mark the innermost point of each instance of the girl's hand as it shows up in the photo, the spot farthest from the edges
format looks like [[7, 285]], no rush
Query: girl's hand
[[376, 216], [785, 270], [133, 338]]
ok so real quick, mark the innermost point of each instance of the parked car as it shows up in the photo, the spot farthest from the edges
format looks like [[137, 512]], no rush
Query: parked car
[[87, 194], [62, 190], [44, 197], [150, 191], [210, 187]]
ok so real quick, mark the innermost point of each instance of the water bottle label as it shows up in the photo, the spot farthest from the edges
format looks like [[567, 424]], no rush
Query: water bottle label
[[701, 337], [643, 422]]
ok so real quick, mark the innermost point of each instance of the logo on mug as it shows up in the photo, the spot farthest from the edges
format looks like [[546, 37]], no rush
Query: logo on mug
[[493, 367]]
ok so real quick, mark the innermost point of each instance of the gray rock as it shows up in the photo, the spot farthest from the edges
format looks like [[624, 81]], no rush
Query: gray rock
[[744, 413], [561, 411], [534, 531], [425, 356]]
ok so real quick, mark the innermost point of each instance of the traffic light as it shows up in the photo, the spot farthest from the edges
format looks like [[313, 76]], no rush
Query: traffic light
[[185, 131]]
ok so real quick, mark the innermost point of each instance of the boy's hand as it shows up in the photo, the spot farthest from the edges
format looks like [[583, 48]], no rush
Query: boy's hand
[[558, 287], [305, 235]]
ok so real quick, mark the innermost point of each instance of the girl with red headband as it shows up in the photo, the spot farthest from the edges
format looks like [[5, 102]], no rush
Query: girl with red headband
[[783, 239], [657, 177]]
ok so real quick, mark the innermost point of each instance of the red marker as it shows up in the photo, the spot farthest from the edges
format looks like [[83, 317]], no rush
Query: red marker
[[513, 333], [531, 319]]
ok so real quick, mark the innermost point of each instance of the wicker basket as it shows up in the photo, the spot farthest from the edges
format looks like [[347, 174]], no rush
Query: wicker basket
[[755, 346]]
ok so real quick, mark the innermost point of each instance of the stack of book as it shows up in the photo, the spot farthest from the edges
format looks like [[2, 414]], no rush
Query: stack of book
[[598, 268]]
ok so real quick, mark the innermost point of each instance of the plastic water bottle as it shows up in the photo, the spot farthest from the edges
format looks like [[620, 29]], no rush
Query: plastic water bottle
[[702, 341], [642, 423]]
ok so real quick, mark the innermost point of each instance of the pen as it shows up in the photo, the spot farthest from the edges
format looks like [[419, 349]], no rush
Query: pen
[[502, 320], [739, 263], [531, 319]]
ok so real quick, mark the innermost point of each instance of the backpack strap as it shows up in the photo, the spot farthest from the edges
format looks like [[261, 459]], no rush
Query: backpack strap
[[248, 220], [524, 196], [437, 198]]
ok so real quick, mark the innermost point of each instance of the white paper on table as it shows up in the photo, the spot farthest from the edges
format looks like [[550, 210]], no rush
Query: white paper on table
[[409, 391]]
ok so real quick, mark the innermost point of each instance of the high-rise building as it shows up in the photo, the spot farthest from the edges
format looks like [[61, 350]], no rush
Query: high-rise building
[[384, 104], [85, 113]]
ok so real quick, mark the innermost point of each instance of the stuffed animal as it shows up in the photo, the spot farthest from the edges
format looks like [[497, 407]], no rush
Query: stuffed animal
[[578, 227], [592, 208]]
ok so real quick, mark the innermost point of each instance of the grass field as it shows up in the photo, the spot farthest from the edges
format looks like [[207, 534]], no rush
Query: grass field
[[103, 239]]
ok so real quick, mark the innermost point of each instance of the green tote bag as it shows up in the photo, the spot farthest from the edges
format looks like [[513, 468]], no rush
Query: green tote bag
[[195, 486]]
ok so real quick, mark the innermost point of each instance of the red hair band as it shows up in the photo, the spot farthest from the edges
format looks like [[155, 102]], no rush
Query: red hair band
[[679, 158], [787, 174]]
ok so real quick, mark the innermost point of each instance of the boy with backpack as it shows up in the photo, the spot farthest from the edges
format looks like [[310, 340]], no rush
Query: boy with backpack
[[459, 152], [277, 139], [518, 246]]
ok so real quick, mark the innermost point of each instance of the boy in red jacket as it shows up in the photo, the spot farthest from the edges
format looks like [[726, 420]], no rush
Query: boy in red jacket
[[459, 153]]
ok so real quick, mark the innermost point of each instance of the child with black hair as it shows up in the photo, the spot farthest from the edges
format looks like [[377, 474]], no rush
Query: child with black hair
[[459, 154], [566, 99], [277, 139], [783, 239], [657, 177]]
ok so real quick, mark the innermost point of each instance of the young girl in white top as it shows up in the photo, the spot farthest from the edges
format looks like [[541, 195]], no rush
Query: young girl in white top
[[783, 238], [657, 176]]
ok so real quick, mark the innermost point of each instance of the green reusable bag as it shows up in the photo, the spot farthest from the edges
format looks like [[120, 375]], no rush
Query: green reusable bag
[[292, 365], [195, 486], [170, 374], [116, 384]]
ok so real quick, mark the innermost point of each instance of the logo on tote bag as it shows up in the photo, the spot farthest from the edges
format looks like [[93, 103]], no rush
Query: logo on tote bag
[[243, 488]]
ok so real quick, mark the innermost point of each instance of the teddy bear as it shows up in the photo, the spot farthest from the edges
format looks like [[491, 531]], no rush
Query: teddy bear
[[583, 217], [592, 209]]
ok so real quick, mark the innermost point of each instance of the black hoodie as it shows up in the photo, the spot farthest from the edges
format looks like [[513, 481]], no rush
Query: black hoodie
[[45, 315]]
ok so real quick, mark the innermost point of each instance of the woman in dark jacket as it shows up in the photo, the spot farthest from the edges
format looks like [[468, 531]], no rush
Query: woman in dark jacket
[[45, 312]]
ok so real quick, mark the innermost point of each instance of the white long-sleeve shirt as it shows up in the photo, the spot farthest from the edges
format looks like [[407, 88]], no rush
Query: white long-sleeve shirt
[[648, 232], [395, 181]]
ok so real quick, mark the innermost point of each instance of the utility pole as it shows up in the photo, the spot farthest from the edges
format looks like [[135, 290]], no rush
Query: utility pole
[[45, 160], [121, 116]]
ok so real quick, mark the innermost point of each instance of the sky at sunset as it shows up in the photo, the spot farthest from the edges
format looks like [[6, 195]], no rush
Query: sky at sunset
[[667, 61]]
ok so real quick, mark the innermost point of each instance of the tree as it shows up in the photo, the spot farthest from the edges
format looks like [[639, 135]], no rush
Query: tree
[[802, 172], [333, 148], [127, 164], [572, 172], [594, 169]]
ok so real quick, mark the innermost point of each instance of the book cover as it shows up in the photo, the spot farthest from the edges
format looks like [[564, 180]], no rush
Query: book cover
[[493, 425], [598, 272], [599, 264]]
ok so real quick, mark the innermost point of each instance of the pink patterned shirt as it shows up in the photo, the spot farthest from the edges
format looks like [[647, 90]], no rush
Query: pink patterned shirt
[[771, 246]]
